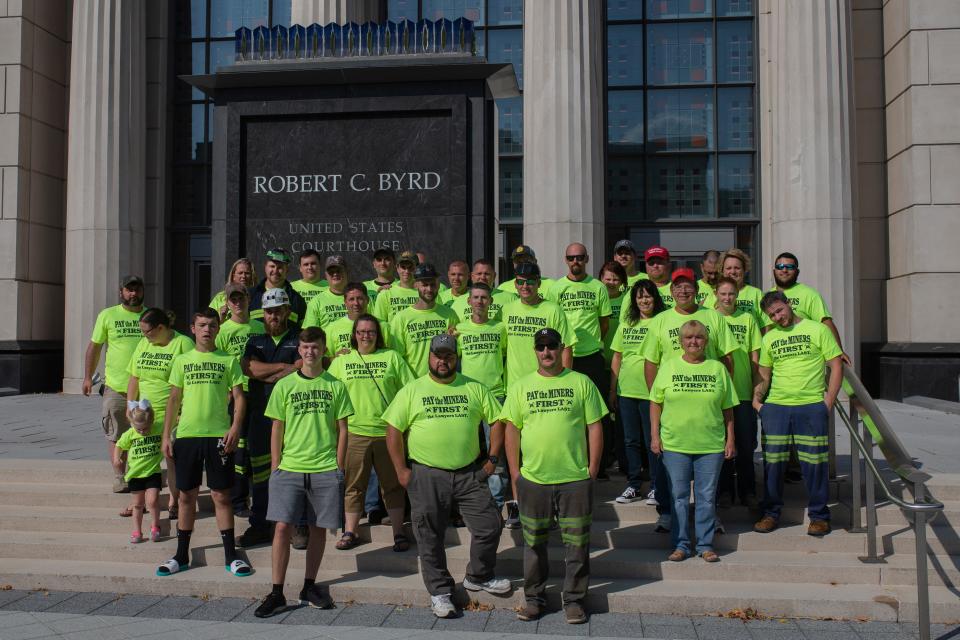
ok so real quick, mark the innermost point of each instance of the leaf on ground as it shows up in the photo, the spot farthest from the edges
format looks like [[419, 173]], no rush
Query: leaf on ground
[[475, 605], [6, 587], [744, 614]]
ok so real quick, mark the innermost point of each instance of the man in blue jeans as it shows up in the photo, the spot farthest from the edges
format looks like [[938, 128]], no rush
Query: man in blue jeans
[[794, 404]]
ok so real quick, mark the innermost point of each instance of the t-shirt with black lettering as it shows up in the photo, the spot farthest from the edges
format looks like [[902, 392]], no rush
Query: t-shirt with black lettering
[[392, 301], [151, 364], [498, 299], [796, 356], [704, 291], [523, 321], [745, 331], [372, 380], [584, 302], [441, 420], [233, 338], [308, 290], [662, 341], [806, 302], [616, 305], [628, 342], [325, 307], [748, 299], [143, 451], [482, 349], [412, 329], [552, 413], [666, 296], [120, 330], [206, 379]]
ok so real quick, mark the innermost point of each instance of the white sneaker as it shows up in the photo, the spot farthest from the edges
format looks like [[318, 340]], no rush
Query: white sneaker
[[497, 586], [652, 498], [663, 523], [629, 495], [442, 606]]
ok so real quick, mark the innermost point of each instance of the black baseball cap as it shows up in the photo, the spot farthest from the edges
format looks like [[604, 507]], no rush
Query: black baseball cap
[[547, 336], [130, 281], [425, 271], [528, 270], [384, 251], [443, 342]]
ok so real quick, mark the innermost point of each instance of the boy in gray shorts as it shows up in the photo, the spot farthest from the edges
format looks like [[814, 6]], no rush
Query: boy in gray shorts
[[309, 409]]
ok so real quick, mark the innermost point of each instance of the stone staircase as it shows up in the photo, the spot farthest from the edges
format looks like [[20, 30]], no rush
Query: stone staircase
[[59, 530]]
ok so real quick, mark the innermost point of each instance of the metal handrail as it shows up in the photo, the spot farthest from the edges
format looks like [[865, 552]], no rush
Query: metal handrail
[[875, 424]]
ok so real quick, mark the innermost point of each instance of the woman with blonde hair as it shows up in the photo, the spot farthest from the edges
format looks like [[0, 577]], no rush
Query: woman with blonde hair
[[735, 264], [243, 273]]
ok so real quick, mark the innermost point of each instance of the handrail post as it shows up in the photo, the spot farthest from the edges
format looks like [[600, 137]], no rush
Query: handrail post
[[856, 475], [871, 503], [923, 588]]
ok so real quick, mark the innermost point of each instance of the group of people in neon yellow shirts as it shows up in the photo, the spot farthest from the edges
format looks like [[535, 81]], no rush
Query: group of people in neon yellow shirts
[[659, 347]]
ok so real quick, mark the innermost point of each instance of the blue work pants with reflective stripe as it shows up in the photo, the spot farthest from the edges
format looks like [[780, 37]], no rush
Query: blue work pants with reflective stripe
[[805, 427]]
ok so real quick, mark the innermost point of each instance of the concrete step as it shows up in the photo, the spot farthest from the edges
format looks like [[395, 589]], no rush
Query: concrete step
[[892, 514], [942, 539], [684, 597]]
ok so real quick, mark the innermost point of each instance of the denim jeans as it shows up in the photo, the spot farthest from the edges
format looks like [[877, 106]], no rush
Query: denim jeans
[[704, 470], [372, 501]]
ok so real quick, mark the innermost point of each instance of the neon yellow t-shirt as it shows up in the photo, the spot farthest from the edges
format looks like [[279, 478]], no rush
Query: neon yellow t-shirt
[[325, 307], [392, 301], [150, 364], [523, 321], [640, 275], [584, 303], [372, 381], [446, 298], [806, 302], [120, 330], [663, 337], [704, 291], [745, 331], [616, 306], [748, 299], [442, 419], [693, 398], [340, 331], [143, 451], [797, 357], [552, 414], [510, 286], [206, 379], [482, 348], [373, 290], [308, 290], [628, 342], [666, 296], [233, 338], [309, 409], [218, 301], [498, 300], [411, 331]]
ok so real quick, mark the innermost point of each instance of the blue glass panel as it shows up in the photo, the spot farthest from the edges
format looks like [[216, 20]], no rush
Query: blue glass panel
[[737, 184], [624, 189], [464, 36], [735, 119], [402, 10], [425, 37], [315, 41], [510, 125], [506, 45], [281, 12], [191, 19], [669, 9], [190, 58], [350, 39], [625, 121], [680, 187], [226, 16], [680, 53], [624, 55], [624, 9], [453, 9], [680, 120], [481, 42], [406, 36], [297, 35], [279, 42], [735, 51], [510, 189], [735, 7], [221, 54], [261, 43], [243, 44], [504, 12]]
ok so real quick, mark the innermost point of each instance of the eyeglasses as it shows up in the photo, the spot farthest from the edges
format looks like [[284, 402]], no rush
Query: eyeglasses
[[531, 282], [366, 332], [782, 266], [552, 346], [579, 258]]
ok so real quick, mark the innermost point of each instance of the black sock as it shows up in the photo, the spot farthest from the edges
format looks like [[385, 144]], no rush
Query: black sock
[[307, 583], [183, 546], [278, 589], [229, 546]]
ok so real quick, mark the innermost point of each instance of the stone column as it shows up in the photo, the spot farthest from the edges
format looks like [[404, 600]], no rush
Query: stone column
[[563, 179], [105, 166], [306, 12], [808, 166]]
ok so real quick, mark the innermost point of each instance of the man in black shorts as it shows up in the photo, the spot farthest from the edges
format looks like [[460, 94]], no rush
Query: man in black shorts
[[200, 381]]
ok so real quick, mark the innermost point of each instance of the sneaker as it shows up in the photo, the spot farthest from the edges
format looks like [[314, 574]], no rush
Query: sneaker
[[530, 612], [629, 495], [718, 526], [254, 536], [300, 538], [651, 498], [316, 596], [154, 534], [442, 606], [497, 586], [663, 523], [513, 515], [574, 613], [818, 528], [273, 603], [765, 525], [724, 501]]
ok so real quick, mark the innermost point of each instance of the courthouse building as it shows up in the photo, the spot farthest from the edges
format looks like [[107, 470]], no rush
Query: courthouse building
[[827, 128]]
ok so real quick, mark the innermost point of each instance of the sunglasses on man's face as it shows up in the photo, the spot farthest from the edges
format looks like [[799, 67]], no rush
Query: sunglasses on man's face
[[552, 346], [579, 258], [785, 267], [523, 281]]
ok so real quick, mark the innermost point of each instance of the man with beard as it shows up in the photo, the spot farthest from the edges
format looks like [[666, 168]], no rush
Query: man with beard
[[657, 261], [710, 273], [805, 300], [119, 328], [328, 305], [266, 359], [275, 271], [625, 254], [439, 413], [412, 329]]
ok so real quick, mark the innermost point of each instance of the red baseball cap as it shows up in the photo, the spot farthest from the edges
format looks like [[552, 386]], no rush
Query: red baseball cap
[[683, 272], [656, 251]]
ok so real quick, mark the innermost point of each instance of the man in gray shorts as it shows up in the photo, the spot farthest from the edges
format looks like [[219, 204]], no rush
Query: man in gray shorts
[[309, 409]]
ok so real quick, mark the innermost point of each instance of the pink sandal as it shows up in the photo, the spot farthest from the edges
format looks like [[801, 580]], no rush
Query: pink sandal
[[136, 537], [154, 534]]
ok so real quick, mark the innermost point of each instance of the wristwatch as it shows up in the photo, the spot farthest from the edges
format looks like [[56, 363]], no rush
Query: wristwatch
[[494, 460]]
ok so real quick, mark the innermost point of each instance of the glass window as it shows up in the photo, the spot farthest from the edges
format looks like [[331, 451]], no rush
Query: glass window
[[226, 16], [510, 123], [511, 189], [624, 55], [680, 187], [670, 9], [190, 195], [506, 45], [282, 12], [735, 7], [505, 12], [624, 9], [680, 53], [402, 9], [625, 121], [453, 9], [222, 54], [737, 186], [190, 58], [735, 51], [735, 118], [480, 42], [191, 19], [680, 120], [624, 189], [189, 132]]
